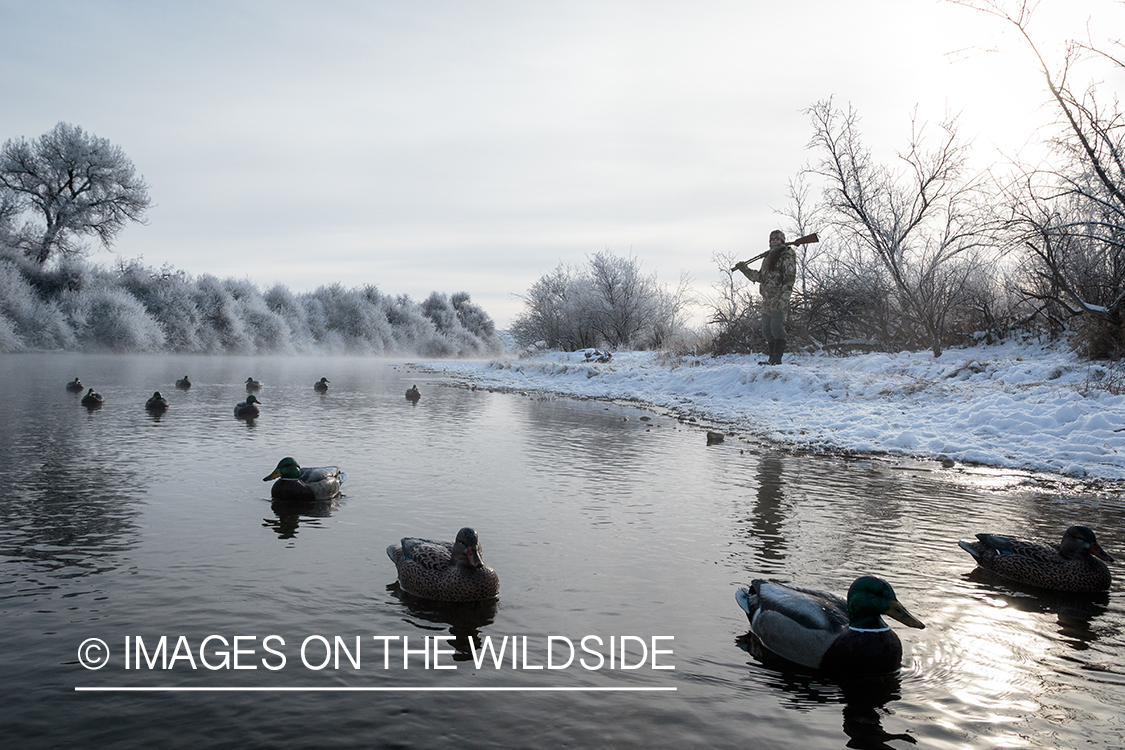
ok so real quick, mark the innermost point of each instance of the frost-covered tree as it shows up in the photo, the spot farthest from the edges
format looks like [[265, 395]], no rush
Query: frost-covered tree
[[1068, 213], [921, 217], [73, 304], [75, 183], [610, 303]]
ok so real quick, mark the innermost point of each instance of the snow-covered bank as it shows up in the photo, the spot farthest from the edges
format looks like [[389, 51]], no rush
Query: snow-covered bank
[[1022, 406]]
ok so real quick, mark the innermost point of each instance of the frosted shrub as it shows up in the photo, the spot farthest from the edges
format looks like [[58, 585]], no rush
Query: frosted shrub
[[114, 320], [438, 309], [607, 303], [473, 318], [353, 317], [266, 329], [413, 331], [286, 305], [34, 323], [221, 329], [168, 296], [9, 340]]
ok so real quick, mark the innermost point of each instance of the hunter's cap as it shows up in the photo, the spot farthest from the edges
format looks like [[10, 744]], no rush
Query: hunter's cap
[[777, 237]]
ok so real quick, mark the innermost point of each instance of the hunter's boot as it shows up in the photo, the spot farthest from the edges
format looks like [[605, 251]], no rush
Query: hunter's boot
[[770, 345], [776, 352]]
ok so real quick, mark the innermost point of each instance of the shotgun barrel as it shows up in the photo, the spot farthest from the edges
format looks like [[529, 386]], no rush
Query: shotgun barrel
[[808, 238]]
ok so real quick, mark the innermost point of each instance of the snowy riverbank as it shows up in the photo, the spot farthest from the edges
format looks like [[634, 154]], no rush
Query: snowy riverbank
[[1022, 406]]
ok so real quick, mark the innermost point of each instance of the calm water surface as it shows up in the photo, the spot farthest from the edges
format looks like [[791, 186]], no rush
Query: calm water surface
[[116, 525]]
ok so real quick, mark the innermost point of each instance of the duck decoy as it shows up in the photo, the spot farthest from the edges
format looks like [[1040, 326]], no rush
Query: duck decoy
[[183, 383], [295, 483], [156, 403], [75, 386], [1074, 564], [444, 571], [253, 385], [820, 630], [247, 409], [413, 394], [321, 386], [92, 399]]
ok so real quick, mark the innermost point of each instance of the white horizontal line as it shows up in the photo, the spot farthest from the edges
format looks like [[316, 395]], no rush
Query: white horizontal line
[[131, 689]]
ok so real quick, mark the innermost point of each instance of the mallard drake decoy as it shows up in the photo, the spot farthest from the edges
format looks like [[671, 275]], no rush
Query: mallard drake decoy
[[820, 630], [75, 386], [321, 386], [1075, 564], [92, 398], [295, 483], [253, 385], [156, 403], [413, 394], [248, 408], [444, 571], [183, 383]]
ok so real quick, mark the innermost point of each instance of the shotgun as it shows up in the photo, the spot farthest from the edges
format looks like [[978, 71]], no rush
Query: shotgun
[[799, 241]]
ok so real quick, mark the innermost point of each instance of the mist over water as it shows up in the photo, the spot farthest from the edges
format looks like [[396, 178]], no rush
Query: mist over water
[[120, 524]]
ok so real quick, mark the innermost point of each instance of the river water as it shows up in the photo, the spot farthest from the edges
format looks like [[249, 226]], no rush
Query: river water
[[611, 527]]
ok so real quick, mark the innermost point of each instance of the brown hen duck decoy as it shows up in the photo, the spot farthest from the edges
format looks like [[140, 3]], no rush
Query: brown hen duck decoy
[[1075, 564], [444, 571]]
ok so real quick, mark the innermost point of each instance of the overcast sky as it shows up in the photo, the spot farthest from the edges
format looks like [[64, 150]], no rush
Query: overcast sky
[[474, 146]]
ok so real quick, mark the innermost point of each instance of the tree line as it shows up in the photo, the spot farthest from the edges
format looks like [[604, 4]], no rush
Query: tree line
[[74, 305]]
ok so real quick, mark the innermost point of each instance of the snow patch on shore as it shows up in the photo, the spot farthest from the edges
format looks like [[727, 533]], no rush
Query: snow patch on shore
[[1017, 405]]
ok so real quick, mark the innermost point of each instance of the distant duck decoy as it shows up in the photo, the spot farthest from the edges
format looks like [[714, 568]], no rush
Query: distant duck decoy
[[1075, 564], [183, 383], [247, 409], [413, 394], [156, 403], [820, 630], [92, 399], [321, 386], [75, 386], [295, 483], [253, 385], [444, 571]]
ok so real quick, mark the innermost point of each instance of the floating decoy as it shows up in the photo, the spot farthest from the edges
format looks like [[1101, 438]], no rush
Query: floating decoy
[[156, 403], [247, 409], [253, 385], [183, 383], [92, 398], [75, 386], [413, 394], [820, 630], [295, 483], [444, 571], [1075, 564], [321, 386]]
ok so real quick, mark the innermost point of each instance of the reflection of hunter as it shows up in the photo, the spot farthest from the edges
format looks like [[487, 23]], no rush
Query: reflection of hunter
[[776, 279]]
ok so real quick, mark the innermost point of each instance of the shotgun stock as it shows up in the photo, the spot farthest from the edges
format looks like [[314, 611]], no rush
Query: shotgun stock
[[808, 238]]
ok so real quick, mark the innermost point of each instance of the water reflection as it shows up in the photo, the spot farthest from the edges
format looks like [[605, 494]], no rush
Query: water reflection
[[465, 619], [864, 699], [1074, 612], [290, 513], [769, 512], [68, 506]]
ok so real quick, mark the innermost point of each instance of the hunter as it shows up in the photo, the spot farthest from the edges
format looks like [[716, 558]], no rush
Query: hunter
[[776, 279]]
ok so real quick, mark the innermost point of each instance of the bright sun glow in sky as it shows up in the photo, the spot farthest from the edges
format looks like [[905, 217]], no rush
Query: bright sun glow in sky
[[474, 146]]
